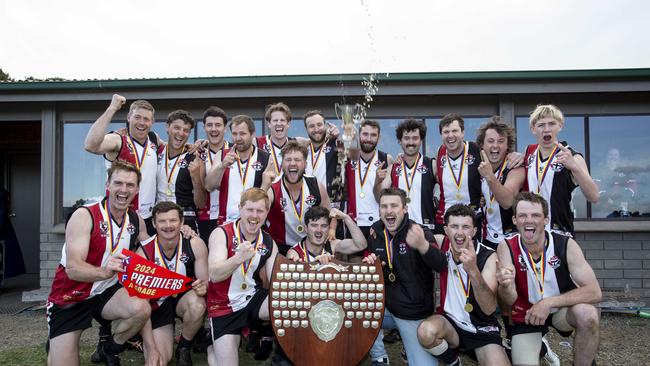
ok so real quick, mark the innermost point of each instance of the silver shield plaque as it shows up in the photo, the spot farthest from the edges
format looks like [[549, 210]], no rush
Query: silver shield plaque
[[326, 318]]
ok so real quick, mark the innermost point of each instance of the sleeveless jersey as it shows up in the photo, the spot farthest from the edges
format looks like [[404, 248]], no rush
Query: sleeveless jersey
[[238, 178], [322, 163], [182, 262], [460, 181], [360, 176], [67, 291], [307, 256], [418, 182], [556, 280], [551, 180], [174, 180], [228, 296], [284, 217], [211, 209], [498, 220], [145, 158], [452, 295], [265, 143]]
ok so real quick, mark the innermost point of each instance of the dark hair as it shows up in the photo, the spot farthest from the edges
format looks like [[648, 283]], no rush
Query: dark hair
[[183, 115], [462, 211], [532, 198], [372, 123], [315, 213], [213, 111], [242, 118], [449, 118], [393, 191], [277, 107], [411, 124], [166, 206], [503, 129], [312, 113], [294, 145], [125, 166]]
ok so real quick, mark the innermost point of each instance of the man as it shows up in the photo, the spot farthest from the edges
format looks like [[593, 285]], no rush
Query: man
[[179, 172], [414, 173], [214, 124], [361, 175], [139, 147], [278, 120], [554, 169], [240, 255], [544, 276], [316, 247], [465, 321], [291, 196], [85, 284], [499, 183], [188, 257], [408, 256], [251, 169], [322, 161]]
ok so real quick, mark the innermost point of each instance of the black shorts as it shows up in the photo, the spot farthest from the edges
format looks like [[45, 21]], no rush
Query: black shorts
[[205, 229], [469, 341], [523, 328], [166, 313], [233, 323], [78, 316]]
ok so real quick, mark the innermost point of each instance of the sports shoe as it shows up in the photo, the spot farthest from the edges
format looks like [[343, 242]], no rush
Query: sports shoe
[[107, 358], [380, 362], [550, 357], [183, 357], [95, 357]]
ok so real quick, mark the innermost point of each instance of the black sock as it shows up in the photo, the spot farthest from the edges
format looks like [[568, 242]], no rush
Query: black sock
[[104, 332], [449, 357], [507, 326], [113, 348], [184, 342]]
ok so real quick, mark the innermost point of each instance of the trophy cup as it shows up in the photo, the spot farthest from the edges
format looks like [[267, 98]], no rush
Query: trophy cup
[[351, 116]]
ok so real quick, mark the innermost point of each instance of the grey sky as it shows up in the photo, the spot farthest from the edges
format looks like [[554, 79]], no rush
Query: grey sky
[[145, 39]]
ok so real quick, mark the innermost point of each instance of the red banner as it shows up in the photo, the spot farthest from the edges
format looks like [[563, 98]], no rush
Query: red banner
[[147, 280]]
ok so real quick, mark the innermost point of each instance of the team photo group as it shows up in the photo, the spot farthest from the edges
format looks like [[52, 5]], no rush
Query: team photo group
[[475, 243]]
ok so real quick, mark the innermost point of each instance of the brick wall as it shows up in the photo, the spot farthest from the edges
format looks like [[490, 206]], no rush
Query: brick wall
[[50, 257]]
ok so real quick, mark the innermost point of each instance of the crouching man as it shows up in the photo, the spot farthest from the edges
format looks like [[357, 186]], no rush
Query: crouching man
[[188, 257], [548, 282], [465, 321]]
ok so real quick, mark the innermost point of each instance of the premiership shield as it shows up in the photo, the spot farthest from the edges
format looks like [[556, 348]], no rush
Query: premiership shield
[[326, 314]]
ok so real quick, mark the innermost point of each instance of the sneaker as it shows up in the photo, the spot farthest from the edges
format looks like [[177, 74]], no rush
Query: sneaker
[[95, 357], [135, 343], [264, 349], [380, 362], [183, 357], [202, 340], [107, 358], [550, 357]]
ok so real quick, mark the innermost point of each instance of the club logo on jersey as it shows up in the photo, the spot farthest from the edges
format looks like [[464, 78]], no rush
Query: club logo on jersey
[[354, 164], [267, 148], [130, 229], [263, 249], [398, 170], [522, 263], [530, 161], [310, 200], [327, 149], [235, 244], [157, 261], [283, 203], [443, 161], [203, 155], [422, 169], [378, 163], [402, 248], [184, 257], [183, 164], [557, 167], [257, 166], [470, 159], [554, 262], [103, 228]]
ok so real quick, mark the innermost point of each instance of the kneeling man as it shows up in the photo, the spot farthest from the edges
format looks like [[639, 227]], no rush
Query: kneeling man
[[548, 282], [465, 321]]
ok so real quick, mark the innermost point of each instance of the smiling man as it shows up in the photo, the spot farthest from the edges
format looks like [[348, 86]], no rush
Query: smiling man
[[241, 254], [322, 159], [546, 279], [278, 121]]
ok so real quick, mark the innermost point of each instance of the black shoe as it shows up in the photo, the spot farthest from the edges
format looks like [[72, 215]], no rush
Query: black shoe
[[253, 344], [202, 340], [264, 350], [183, 357], [107, 358], [392, 336], [95, 357]]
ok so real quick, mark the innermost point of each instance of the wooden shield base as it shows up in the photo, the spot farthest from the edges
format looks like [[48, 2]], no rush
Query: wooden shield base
[[308, 296]]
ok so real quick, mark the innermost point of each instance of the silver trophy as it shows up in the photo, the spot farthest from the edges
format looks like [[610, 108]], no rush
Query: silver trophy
[[351, 116]]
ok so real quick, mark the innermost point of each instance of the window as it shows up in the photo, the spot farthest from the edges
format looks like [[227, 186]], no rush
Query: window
[[620, 164], [433, 132]]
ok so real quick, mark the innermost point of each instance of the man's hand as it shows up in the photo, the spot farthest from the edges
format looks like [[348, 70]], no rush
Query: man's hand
[[200, 287], [335, 213], [152, 356], [230, 157], [245, 251], [537, 314], [514, 160], [485, 168], [324, 258], [415, 238], [371, 259], [380, 175], [398, 159], [332, 131], [187, 232], [293, 256], [565, 157], [117, 102], [468, 257], [195, 168], [197, 147], [268, 177], [505, 274], [115, 264]]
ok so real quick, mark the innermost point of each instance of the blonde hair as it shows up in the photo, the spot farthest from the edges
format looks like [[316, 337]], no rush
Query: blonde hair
[[255, 194], [546, 111]]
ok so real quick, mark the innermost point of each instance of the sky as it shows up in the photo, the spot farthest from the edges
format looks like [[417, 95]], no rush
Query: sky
[[81, 39]]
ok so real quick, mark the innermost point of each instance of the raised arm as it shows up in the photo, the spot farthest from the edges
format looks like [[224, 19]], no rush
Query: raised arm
[[97, 141], [382, 178], [483, 282], [197, 174], [220, 267], [579, 172], [214, 176], [505, 273], [352, 245]]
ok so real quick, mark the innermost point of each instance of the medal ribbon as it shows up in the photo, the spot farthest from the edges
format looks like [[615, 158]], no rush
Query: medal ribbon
[[115, 243], [167, 172], [538, 161], [308, 257], [314, 161], [138, 160], [294, 205], [466, 286], [458, 181], [389, 249], [273, 154], [162, 255], [499, 173], [539, 275], [244, 174], [409, 184], [362, 180], [246, 264]]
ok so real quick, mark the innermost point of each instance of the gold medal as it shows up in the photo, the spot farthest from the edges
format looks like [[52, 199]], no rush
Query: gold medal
[[490, 210], [391, 277], [169, 192], [244, 286], [469, 308], [458, 196], [300, 228], [362, 195], [408, 199]]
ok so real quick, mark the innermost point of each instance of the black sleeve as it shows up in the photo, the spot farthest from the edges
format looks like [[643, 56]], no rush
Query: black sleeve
[[434, 258]]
